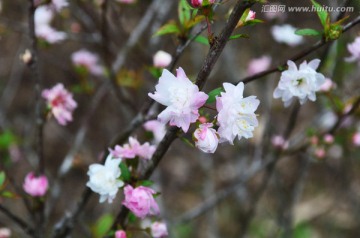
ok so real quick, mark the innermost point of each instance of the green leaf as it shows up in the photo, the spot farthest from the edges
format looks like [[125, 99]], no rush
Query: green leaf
[[125, 173], [253, 22], [2, 178], [303, 231], [156, 72], [8, 194], [132, 217], [189, 24], [6, 139], [187, 141], [244, 15], [184, 12], [169, 28], [103, 225], [308, 32], [146, 183], [322, 14], [212, 94], [202, 40], [237, 36]]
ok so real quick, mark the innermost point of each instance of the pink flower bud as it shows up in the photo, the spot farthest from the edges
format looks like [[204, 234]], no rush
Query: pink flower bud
[[206, 137], [162, 59], [202, 120], [279, 142], [120, 234], [159, 230], [259, 64], [314, 140], [35, 186], [196, 3], [329, 139], [250, 16], [140, 201], [327, 85], [356, 139]]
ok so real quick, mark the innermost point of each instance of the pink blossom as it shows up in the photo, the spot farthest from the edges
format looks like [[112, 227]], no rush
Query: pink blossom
[[279, 142], [133, 149], [202, 119], [5, 232], [35, 186], [87, 60], [314, 140], [181, 97], [159, 230], [236, 116], [206, 138], [354, 49], [328, 138], [250, 16], [157, 128], [61, 103], [162, 59], [327, 85], [356, 139], [120, 234], [320, 152], [140, 201], [259, 64]]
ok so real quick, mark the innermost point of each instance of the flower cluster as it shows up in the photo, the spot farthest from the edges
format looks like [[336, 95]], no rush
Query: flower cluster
[[133, 149], [87, 60], [104, 179], [60, 102], [35, 186], [43, 30], [301, 83], [182, 98], [199, 3]]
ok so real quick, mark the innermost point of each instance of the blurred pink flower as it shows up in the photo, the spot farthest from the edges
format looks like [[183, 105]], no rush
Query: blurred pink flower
[[320, 152], [182, 98], [279, 142], [259, 64], [61, 103], [328, 138], [35, 186], [120, 234], [88, 60], [133, 149], [198, 3], [327, 85], [354, 49], [286, 34], [140, 201], [356, 139], [159, 230], [43, 30], [126, 1], [162, 59], [5, 232], [157, 128], [206, 138]]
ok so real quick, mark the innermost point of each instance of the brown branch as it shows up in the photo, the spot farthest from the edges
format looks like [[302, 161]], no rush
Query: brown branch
[[202, 76], [27, 229]]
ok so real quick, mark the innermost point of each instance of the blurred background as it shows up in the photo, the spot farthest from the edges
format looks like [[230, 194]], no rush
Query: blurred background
[[313, 194]]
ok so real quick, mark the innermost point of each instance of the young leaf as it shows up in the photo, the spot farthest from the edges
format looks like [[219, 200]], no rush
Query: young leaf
[[102, 225], [125, 173], [202, 40], [169, 28], [238, 36], [146, 183], [2, 178], [308, 32], [184, 12], [6, 139], [323, 15], [189, 24], [212, 94]]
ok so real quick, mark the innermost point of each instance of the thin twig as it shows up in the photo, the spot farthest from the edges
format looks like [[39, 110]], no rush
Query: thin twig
[[27, 229]]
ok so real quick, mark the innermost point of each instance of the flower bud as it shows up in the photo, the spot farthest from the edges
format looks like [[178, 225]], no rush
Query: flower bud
[[162, 59], [159, 230], [206, 138], [35, 186]]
